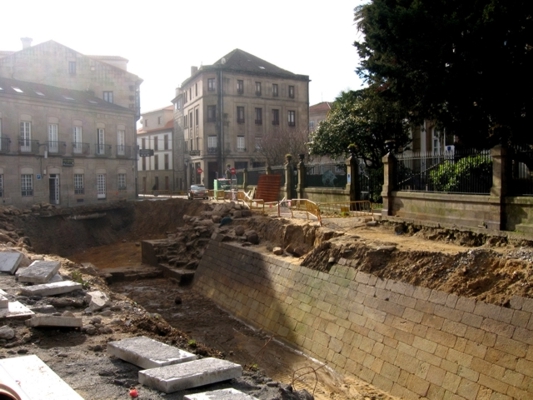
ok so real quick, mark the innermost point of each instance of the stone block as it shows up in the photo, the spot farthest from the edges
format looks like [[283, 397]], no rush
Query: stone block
[[53, 320], [39, 272], [10, 261], [50, 289], [222, 394], [188, 375], [148, 353]]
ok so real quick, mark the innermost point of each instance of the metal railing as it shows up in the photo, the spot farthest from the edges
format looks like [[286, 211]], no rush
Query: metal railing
[[102, 150], [56, 147], [5, 143], [28, 146], [81, 149]]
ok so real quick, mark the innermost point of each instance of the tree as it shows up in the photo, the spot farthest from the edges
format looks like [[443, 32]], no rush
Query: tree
[[364, 119], [465, 64], [278, 143]]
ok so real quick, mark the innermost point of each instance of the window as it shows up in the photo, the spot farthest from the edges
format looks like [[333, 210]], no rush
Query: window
[[72, 67], [52, 138], [76, 139], [196, 89], [26, 185], [258, 88], [1, 139], [1, 185], [78, 184], [258, 145], [211, 144], [165, 142], [156, 143], [158, 120], [275, 91], [121, 140], [121, 181], [108, 96], [25, 136], [211, 113], [291, 118], [240, 115], [100, 141], [190, 119], [196, 116], [143, 143], [144, 163], [156, 162], [258, 116], [240, 87], [291, 92], [145, 123], [240, 143], [211, 85], [100, 186], [166, 161], [275, 117], [185, 121]]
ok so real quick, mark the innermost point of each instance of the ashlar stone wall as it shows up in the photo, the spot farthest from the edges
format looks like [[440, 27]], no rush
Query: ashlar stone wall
[[410, 341]]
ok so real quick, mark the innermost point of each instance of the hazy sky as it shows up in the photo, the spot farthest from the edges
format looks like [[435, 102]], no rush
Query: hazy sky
[[162, 39]]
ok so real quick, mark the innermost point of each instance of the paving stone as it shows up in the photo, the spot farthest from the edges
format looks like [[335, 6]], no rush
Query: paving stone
[[10, 261], [148, 353], [50, 289], [39, 272], [54, 320], [190, 374], [222, 394], [32, 379]]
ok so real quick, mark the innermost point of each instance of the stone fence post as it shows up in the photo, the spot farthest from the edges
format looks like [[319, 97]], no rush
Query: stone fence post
[[389, 179], [352, 181], [500, 181], [244, 179], [302, 174], [288, 177]]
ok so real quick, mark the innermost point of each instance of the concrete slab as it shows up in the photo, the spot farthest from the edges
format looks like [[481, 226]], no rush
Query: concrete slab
[[189, 375], [35, 380], [4, 302], [222, 394], [14, 309], [54, 320], [10, 261], [50, 289], [148, 353], [39, 272]]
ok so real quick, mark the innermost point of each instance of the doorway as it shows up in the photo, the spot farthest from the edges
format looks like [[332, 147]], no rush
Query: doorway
[[53, 185]]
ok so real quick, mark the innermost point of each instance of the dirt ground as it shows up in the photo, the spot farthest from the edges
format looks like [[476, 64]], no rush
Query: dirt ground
[[479, 265]]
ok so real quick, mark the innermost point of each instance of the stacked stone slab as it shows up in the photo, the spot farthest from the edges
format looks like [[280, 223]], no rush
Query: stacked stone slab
[[170, 369], [39, 272], [10, 261]]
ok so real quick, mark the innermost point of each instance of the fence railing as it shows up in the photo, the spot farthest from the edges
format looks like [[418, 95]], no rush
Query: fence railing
[[464, 171], [521, 176]]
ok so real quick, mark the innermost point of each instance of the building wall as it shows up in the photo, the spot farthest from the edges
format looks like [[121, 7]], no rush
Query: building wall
[[13, 163], [410, 341]]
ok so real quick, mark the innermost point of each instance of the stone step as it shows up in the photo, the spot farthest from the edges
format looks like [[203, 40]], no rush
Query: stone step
[[190, 374], [222, 394], [50, 289], [148, 353], [31, 379], [55, 320], [182, 275]]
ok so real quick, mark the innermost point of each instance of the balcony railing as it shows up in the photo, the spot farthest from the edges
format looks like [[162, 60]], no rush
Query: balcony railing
[[102, 150], [124, 151], [212, 150], [5, 142], [56, 148], [28, 146], [81, 149], [194, 152]]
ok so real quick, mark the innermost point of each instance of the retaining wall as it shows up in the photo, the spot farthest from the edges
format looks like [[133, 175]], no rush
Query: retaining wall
[[410, 341]]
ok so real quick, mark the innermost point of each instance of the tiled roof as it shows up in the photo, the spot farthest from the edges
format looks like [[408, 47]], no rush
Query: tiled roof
[[42, 92], [324, 106]]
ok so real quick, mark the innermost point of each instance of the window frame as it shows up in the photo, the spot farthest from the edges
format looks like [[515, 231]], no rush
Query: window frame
[[211, 113], [240, 86], [258, 116], [275, 116], [211, 85], [258, 88], [121, 181], [26, 185], [240, 115], [291, 92], [79, 186], [107, 95], [291, 117], [241, 143], [275, 90]]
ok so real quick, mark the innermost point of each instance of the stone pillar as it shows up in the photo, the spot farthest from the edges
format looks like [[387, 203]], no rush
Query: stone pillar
[[245, 179], [302, 174], [269, 170], [352, 181], [500, 181], [389, 178], [288, 177]]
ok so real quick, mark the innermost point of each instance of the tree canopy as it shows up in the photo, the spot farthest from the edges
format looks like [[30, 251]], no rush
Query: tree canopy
[[465, 64], [362, 118]]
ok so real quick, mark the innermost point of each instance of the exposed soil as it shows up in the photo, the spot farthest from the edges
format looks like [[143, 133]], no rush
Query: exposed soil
[[478, 265]]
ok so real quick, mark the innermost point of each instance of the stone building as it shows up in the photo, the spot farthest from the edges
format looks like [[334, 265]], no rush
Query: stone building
[[224, 111], [318, 113], [155, 139], [67, 127]]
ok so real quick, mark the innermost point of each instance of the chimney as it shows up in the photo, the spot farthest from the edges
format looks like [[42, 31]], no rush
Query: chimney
[[194, 70], [26, 42]]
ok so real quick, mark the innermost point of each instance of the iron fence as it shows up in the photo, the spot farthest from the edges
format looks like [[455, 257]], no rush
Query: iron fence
[[451, 171], [521, 175], [326, 175]]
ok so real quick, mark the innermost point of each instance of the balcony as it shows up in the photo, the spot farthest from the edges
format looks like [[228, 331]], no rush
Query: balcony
[[194, 152], [56, 148], [80, 149], [102, 150], [28, 146], [212, 150], [124, 151], [5, 142]]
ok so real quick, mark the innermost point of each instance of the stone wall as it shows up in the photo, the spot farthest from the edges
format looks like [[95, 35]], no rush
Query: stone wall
[[409, 341]]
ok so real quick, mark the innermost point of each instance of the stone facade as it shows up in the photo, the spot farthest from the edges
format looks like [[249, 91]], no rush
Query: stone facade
[[67, 126], [410, 341], [225, 110]]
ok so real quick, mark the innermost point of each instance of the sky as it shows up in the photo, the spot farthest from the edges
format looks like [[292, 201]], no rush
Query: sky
[[162, 39]]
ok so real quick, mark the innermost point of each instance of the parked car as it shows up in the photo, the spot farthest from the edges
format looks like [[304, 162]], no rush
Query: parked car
[[197, 192]]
